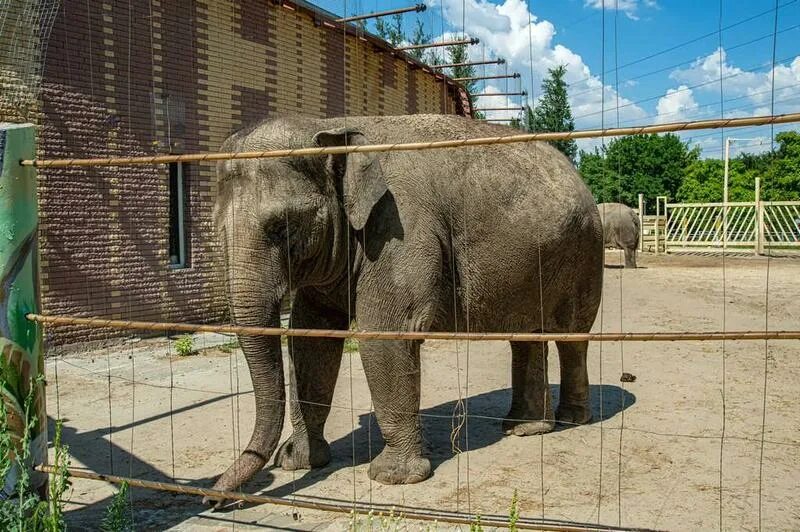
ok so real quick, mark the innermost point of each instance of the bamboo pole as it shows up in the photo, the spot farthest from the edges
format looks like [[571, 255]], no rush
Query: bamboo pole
[[470, 63], [416, 146], [481, 94], [419, 8], [437, 44], [22, 375], [499, 109], [478, 78], [417, 335], [345, 508]]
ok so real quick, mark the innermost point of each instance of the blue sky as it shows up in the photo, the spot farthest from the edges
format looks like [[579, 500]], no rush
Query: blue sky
[[668, 55]]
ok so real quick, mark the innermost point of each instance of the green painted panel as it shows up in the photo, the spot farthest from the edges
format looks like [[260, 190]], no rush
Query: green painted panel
[[20, 339]]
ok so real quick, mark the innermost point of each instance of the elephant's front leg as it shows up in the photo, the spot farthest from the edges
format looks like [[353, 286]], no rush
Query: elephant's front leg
[[314, 368], [393, 374]]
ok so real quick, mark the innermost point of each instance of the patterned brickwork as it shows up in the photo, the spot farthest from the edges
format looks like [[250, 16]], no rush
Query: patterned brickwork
[[179, 76]]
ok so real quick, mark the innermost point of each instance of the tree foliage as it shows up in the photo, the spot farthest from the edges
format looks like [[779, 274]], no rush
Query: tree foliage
[[553, 112], [392, 31], [653, 165], [458, 54], [419, 37], [663, 165], [779, 172]]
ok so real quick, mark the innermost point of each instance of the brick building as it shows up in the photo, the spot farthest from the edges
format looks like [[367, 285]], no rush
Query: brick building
[[157, 76]]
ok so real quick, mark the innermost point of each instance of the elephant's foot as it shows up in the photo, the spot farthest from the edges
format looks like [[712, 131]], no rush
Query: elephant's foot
[[302, 452], [572, 414], [242, 470], [519, 426], [391, 467]]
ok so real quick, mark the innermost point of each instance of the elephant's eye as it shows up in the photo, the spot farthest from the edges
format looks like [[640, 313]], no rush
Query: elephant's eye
[[277, 233]]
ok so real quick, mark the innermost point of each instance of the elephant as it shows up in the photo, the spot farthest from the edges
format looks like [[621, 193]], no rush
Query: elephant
[[621, 229], [494, 238]]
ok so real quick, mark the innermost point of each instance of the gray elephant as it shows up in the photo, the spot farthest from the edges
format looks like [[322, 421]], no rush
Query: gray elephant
[[621, 229], [495, 238]]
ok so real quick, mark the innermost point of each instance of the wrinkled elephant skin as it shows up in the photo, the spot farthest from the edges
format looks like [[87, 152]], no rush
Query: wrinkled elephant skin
[[620, 229], [412, 241]]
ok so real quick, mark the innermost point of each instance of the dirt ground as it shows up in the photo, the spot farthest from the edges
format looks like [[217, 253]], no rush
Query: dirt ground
[[651, 460]]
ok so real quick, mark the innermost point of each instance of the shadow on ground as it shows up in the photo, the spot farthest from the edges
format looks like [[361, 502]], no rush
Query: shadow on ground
[[159, 512], [482, 430]]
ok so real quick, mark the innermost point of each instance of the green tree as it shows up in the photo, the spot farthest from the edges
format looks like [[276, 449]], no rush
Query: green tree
[[779, 172], [419, 37], [553, 113], [653, 165], [392, 31], [458, 54]]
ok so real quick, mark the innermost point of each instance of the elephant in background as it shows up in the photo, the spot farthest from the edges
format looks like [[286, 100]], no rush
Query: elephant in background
[[495, 238], [621, 229]]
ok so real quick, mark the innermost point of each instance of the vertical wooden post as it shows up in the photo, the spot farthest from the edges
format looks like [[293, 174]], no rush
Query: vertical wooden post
[[20, 340], [641, 222], [657, 228], [759, 219]]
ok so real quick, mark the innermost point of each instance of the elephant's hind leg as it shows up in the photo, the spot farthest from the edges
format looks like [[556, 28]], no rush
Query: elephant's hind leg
[[573, 404], [531, 405], [630, 257], [314, 368]]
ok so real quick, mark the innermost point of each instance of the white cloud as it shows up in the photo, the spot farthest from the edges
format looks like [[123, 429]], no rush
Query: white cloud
[[678, 104], [745, 93], [505, 31], [629, 7], [705, 72]]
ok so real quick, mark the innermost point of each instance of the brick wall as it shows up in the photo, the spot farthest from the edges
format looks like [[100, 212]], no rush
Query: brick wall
[[155, 76]]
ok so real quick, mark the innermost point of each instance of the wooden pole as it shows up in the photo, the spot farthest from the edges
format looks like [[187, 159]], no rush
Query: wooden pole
[[641, 222], [759, 219], [419, 8], [416, 146], [21, 354]]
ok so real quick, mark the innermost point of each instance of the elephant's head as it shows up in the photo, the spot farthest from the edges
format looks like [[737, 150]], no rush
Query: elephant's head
[[283, 223]]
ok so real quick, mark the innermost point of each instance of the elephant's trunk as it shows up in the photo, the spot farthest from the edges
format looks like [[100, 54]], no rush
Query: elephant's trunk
[[255, 292]]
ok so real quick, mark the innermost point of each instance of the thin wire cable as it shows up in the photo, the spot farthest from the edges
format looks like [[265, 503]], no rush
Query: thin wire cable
[[766, 300], [289, 342], [131, 451], [621, 272], [100, 376], [533, 126], [690, 61], [602, 300], [724, 279], [692, 40], [349, 280]]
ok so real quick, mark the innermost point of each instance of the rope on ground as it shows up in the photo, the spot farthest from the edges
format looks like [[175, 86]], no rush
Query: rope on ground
[[417, 146]]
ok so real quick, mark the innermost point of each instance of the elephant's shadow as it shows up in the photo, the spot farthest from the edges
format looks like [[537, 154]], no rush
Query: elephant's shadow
[[484, 429]]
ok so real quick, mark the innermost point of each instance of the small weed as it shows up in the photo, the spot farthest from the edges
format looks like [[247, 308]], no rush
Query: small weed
[[513, 513], [379, 521], [230, 346], [475, 525], [23, 510], [350, 345], [184, 345], [119, 514]]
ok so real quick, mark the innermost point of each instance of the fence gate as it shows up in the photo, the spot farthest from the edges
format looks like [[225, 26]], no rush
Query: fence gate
[[746, 226]]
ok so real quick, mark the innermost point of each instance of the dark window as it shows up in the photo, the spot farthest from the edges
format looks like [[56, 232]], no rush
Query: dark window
[[178, 237]]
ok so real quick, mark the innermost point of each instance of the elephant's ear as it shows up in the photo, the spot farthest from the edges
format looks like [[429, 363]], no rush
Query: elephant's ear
[[363, 183]]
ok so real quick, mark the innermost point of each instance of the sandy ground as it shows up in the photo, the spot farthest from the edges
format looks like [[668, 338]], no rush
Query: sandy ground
[[651, 460]]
